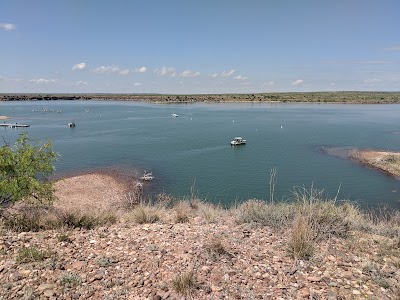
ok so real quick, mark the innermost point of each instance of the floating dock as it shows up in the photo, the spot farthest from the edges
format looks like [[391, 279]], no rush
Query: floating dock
[[13, 125]]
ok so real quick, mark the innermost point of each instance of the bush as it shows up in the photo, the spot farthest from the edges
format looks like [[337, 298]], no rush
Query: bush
[[23, 171]]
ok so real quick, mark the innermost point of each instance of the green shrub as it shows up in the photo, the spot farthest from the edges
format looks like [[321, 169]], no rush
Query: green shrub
[[31, 254]]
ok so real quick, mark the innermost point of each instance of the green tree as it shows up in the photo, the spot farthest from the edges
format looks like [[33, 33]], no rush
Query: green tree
[[24, 171]]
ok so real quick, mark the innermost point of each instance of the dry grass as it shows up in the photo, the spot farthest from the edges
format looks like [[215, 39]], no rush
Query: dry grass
[[182, 212], [326, 217], [185, 284], [27, 217], [145, 213], [301, 244]]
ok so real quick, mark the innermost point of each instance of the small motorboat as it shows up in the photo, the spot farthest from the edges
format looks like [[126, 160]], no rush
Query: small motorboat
[[174, 115], [147, 176], [71, 124], [238, 141]]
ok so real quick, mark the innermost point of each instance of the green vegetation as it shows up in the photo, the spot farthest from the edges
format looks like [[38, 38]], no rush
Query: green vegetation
[[31, 254], [70, 279], [24, 169]]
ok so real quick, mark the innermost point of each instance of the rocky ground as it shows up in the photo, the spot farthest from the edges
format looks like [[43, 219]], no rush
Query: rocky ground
[[201, 255]]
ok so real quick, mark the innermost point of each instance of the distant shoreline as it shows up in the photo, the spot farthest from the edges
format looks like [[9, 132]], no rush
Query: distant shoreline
[[4, 117], [305, 97]]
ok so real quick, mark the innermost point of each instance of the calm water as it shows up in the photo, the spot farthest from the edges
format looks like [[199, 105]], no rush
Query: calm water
[[195, 147]]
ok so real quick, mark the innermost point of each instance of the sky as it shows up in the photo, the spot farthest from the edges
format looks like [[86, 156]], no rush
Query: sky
[[207, 46]]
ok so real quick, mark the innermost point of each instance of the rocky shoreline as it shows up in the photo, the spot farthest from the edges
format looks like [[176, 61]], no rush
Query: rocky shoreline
[[222, 257]]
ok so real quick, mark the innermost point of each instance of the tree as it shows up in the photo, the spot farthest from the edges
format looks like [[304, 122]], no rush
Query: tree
[[24, 171]]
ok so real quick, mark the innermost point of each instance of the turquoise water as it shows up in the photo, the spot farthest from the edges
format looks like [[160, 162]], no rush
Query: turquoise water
[[194, 148]]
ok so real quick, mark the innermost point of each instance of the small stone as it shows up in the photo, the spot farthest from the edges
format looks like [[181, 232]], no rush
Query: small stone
[[77, 265], [304, 293], [48, 293], [332, 295], [314, 278], [216, 288], [46, 286], [157, 297], [356, 292]]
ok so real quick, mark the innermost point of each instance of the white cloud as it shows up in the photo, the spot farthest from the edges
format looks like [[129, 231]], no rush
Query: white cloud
[[227, 73], [79, 67], [2, 78], [164, 71], [393, 48], [240, 77], [333, 83], [43, 81], [141, 70], [298, 82], [7, 26], [372, 81], [111, 69], [80, 82], [271, 83], [223, 74], [124, 72], [188, 73], [137, 84]]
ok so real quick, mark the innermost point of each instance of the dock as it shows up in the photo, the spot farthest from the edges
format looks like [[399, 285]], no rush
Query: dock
[[13, 125]]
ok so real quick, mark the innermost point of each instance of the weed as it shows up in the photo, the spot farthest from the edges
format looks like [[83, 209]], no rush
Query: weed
[[87, 221], [31, 254], [185, 284], [104, 262], [209, 212], [301, 241], [145, 213], [215, 248], [70, 279], [63, 237], [182, 211]]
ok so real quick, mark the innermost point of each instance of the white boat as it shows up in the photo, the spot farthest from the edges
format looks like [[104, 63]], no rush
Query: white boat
[[71, 124], [147, 176], [174, 115], [238, 141]]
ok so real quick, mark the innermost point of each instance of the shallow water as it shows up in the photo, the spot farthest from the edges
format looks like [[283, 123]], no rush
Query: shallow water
[[194, 148]]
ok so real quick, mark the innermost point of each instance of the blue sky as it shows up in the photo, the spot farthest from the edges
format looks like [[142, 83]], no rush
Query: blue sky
[[208, 46]]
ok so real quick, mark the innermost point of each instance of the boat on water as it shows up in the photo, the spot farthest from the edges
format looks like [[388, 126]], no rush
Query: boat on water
[[147, 176], [71, 124], [174, 115], [238, 141]]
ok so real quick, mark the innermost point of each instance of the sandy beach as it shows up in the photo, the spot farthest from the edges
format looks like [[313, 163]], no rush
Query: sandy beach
[[97, 192], [4, 117]]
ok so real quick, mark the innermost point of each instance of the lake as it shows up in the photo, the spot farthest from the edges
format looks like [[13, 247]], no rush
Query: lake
[[194, 148]]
